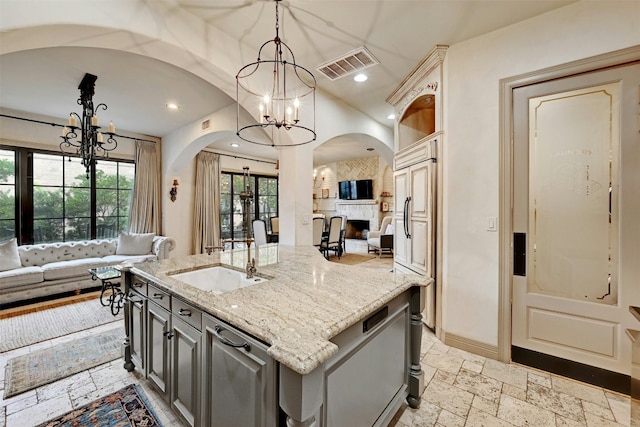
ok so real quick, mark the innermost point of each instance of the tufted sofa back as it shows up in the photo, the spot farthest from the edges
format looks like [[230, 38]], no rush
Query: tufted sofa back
[[40, 254]]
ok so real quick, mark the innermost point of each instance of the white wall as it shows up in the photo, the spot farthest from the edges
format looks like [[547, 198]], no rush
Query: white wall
[[178, 215], [473, 70]]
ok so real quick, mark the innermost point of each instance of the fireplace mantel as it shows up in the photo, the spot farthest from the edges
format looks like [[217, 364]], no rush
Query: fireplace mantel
[[356, 202]]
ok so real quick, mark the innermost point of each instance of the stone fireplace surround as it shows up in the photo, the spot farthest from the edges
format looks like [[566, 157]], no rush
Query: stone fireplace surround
[[361, 210]]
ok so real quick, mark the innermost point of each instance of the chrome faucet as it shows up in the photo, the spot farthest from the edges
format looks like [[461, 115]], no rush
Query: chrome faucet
[[251, 262]]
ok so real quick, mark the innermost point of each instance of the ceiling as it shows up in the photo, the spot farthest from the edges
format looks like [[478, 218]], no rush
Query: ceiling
[[398, 33]]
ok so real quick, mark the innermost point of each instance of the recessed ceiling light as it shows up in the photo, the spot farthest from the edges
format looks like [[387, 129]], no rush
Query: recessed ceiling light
[[360, 78], [391, 116], [172, 106], [235, 145]]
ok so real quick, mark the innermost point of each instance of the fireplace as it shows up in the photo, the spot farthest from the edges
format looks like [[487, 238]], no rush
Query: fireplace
[[364, 213], [356, 229]]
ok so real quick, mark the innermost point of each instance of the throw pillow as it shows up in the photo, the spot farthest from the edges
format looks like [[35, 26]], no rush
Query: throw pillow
[[134, 244], [9, 256], [389, 229]]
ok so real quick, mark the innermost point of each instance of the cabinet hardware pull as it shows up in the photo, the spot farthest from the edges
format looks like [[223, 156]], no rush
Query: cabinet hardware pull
[[137, 284], [184, 312], [130, 299], [158, 296], [406, 217], [226, 341], [168, 334]]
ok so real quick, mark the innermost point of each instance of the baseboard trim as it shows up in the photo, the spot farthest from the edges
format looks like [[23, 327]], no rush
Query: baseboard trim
[[472, 346], [599, 377]]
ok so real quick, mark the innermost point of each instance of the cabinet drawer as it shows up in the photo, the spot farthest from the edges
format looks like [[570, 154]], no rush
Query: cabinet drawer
[[139, 285], [161, 298], [188, 313]]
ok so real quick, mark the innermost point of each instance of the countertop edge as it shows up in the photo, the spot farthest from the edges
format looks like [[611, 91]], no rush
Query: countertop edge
[[322, 347]]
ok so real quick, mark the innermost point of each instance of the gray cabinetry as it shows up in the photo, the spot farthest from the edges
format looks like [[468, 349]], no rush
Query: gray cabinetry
[[353, 395], [185, 369], [239, 378], [158, 330], [137, 329], [164, 342]]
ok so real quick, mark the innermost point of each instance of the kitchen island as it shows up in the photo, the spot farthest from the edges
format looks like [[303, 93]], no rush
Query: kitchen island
[[317, 343]]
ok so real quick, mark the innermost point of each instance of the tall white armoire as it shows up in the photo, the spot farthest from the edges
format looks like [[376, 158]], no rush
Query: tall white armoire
[[417, 177]]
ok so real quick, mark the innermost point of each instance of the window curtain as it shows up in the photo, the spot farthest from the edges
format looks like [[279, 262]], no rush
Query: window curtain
[[144, 215], [206, 221]]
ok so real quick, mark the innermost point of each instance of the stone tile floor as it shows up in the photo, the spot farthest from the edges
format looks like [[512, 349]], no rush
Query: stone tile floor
[[462, 389]]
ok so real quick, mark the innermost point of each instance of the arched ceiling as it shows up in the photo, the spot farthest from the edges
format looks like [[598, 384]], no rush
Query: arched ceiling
[[399, 33]]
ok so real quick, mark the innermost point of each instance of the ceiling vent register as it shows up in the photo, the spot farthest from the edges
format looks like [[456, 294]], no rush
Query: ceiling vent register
[[352, 62]]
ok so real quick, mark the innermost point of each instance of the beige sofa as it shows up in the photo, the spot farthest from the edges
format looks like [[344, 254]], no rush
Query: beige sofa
[[56, 268]]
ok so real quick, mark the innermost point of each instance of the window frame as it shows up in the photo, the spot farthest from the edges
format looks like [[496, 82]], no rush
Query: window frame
[[24, 196], [255, 213]]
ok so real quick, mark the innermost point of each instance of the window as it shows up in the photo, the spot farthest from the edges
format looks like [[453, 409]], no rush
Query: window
[[59, 203], [264, 203], [7, 194]]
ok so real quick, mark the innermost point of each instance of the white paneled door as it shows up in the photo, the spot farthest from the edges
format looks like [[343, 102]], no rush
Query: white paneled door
[[575, 216]]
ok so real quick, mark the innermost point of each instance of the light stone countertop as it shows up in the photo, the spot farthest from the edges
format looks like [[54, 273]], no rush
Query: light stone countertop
[[307, 301]]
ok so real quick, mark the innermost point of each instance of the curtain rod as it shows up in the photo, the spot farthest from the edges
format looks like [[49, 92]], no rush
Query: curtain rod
[[240, 157], [56, 124]]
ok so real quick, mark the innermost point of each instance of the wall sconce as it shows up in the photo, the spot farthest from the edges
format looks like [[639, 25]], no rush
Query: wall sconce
[[174, 190]]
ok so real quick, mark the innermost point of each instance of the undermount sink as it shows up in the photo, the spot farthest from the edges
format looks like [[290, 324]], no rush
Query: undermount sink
[[217, 279]]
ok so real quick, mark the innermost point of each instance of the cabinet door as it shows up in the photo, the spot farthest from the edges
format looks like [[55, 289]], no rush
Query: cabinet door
[[137, 326], [185, 370], [400, 242], [158, 347], [400, 238], [420, 186], [421, 218], [240, 383], [419, 255], [401, 190]]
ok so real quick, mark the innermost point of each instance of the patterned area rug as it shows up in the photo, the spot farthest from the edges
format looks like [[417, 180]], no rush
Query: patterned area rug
[[126, 407], [44, 366], [45, 324]]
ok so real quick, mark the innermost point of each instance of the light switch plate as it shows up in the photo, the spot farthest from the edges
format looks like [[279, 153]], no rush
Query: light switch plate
[[492, 223]]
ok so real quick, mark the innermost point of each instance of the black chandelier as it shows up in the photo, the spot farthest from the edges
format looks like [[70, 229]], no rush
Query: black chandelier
[[91, 142], [284, 92]]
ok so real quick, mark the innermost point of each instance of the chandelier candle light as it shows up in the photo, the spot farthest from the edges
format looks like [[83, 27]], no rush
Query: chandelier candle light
[[283, 92], [91, 142]]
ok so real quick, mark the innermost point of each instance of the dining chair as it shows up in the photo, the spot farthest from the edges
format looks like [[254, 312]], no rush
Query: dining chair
[[343, 233], [259, 232], [274, 223], [318, 231], [333, 242]]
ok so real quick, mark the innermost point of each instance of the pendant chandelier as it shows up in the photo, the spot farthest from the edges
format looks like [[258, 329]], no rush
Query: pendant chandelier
[[283, 92], [92, 142]]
